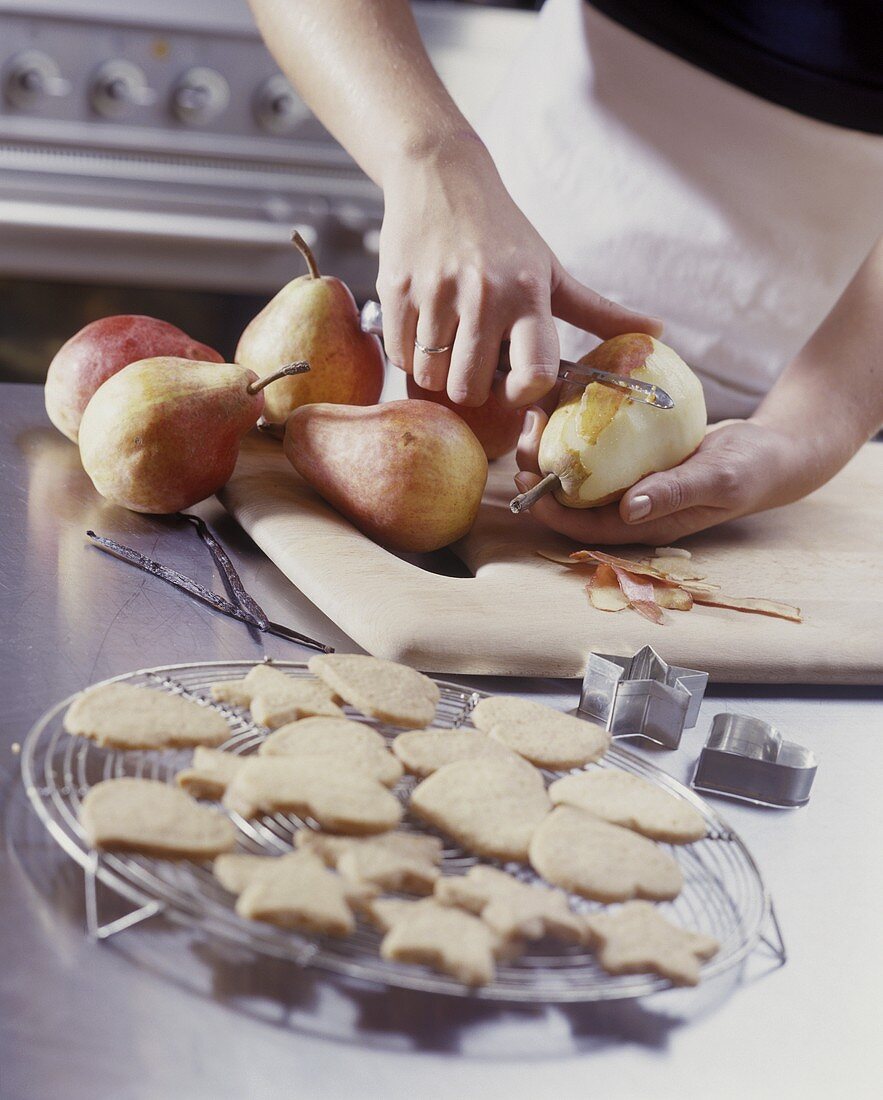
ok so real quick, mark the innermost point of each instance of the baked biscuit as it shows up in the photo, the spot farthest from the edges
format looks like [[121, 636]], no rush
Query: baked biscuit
[[154, 818], [515, 910], [444, 938], [406, 863], [293, 891], [384, 690], [588, 856], [630, 801], [637, 938], [126, 716], [351, 744], [491, 807], [340, 801], [544, 736], [425, 751], [275, 698]]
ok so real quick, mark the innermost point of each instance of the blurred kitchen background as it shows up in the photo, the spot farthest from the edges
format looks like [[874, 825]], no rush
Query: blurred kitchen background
[[153, 160]]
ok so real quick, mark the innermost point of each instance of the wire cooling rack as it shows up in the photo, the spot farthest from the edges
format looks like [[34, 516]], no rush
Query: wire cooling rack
[[723, 895]]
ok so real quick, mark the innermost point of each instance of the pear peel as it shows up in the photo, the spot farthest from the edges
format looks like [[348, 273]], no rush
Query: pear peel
[[617, 583]]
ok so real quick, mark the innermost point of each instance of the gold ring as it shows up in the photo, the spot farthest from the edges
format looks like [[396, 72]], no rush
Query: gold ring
[[432, 351]]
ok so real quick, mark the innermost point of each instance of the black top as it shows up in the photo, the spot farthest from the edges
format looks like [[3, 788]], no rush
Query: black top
[[822, 58]]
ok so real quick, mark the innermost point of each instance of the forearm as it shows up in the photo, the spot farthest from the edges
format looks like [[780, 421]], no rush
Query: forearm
[[831, 395], [361, 67]]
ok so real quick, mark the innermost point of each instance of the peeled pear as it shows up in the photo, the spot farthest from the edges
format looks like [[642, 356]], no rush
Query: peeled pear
[[410, 474], [164, 433], [600, 442], [315, 318]]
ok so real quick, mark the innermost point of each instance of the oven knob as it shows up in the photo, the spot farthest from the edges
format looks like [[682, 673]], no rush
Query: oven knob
[[277, 107], [200, 96], [32, 76], [118, 86]]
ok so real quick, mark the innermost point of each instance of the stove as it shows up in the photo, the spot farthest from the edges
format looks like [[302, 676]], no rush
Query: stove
[[158, 145]]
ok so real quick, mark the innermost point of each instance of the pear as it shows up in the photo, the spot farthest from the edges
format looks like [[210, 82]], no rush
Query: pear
[[164, 433], [101, 349], [600, 442], [496, 428], [315, 318], [410, 474]]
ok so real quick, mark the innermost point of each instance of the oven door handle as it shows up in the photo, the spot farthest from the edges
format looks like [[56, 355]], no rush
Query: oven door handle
[[192, 228]]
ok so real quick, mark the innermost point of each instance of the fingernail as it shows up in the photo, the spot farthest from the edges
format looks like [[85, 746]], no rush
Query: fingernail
[[638, 508], [531, 420]]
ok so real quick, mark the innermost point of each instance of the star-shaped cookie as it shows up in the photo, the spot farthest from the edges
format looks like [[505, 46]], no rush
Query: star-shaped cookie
[[406, 863], [442, 937], [515, 910], [294, 891], [275, 698], [637, 938]]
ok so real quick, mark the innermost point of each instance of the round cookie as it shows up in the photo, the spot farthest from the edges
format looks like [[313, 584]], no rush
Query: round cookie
[[544, 736], [582, 853], [630, 801], [491, 807]]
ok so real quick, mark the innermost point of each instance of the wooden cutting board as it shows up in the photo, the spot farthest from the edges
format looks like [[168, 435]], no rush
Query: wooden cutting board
[[523, 616]]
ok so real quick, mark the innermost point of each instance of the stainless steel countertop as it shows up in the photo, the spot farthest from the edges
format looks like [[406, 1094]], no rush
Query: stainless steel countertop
[[154, 1013]]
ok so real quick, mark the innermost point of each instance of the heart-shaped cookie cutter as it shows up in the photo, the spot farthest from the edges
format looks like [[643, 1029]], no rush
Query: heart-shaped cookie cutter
[[642, 696], [747, 758]]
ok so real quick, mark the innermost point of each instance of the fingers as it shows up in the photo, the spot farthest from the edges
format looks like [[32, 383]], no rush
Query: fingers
[[399, 327], [605, 527], [474, 360], [436, 328], [534, 357], [703, 481], [585, 308], [587, 526], [527, 452]]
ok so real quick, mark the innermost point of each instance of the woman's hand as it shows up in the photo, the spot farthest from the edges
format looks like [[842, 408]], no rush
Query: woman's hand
[[742, 466], [461, 266], [825, 405]]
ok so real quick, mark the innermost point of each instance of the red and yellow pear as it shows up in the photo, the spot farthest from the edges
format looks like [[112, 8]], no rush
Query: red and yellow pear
[[100, 350], [496, 428], [164, 433], [315, 318], [409, 474]]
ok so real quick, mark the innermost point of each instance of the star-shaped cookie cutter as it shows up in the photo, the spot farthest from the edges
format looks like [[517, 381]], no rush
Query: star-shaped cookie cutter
[[748, 759], [642, 696]]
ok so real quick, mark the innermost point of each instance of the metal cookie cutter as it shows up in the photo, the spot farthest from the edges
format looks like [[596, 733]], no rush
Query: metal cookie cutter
[[747, 758], [642, 696]]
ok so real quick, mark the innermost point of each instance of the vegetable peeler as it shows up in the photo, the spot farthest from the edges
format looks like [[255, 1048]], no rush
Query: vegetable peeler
[[575, 373]]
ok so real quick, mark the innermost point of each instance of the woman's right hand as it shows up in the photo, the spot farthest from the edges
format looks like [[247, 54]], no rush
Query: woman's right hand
[[461, 265]]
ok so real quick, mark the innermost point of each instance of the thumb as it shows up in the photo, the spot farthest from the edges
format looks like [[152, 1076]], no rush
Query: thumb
[[671, 491], [588, 310]]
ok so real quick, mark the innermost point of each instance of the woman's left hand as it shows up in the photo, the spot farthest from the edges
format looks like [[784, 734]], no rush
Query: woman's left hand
[[742, 466]]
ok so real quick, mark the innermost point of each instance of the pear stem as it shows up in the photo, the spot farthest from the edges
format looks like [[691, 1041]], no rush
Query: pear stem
[[524, 500], [301, 245], [283, 372]]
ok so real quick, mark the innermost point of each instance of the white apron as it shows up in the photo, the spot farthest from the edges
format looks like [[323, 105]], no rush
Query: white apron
[[737, 221]]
